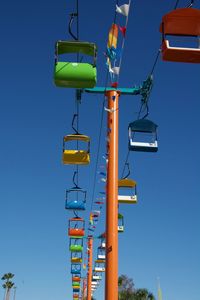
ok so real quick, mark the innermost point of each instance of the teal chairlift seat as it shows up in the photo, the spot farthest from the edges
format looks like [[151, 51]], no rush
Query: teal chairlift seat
[[75, 74], [143, 136]]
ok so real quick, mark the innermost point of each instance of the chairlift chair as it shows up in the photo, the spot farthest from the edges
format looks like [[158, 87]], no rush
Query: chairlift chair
[[97, 277], [181, 22], [76, 244], [76, 278], [76, 290], [75, 284], [76, 227], [128, 186], [76, 156], [101, 253], [120, 223], [143, 127], [99, 266], [76, 269], [75, 74], [76, 257], [75, 199]]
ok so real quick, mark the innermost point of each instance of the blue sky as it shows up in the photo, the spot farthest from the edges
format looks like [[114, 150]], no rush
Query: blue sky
[[161, 235]]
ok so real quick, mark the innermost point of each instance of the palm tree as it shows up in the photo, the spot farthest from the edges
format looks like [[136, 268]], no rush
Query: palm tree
[[7, 285]]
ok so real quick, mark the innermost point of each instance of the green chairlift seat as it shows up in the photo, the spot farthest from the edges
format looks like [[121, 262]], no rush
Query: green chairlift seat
[[76, 248], [75, 74]]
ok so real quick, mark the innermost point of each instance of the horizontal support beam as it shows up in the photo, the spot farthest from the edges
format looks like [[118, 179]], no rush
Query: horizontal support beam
[[123, 91]]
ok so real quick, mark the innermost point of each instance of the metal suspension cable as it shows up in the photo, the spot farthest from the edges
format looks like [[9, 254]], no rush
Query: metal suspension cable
[[155, 62], [191, 4], [100, 130], [127, 156], [176, 4]]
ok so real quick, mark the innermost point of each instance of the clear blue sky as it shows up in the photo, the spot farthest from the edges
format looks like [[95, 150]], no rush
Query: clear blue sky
[[161, 235]]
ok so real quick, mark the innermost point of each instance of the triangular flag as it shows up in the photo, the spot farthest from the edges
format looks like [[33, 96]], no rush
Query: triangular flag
[[112, 37], [103, 179], [123, 9], [114, 85], [123, 30], [102, 173], [115, 70]]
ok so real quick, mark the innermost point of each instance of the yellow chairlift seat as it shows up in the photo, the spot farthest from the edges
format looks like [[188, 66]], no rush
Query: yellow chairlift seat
[[99, 269], [127, 183], [76, 156], [76, 260], [100, 261]]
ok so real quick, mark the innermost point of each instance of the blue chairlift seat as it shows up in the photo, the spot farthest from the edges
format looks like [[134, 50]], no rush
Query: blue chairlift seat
[[78, 199], [143, 127], [75, 269]]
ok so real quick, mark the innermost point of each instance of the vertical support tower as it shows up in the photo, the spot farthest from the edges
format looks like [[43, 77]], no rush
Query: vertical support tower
[[89, 274], [111, 284]]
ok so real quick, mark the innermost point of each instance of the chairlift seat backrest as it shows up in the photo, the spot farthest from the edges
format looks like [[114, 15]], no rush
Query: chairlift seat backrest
[[75, 74], [143, 125]]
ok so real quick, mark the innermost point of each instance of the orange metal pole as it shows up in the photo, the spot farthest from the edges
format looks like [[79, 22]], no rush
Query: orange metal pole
[[89, 274], [111, 284]]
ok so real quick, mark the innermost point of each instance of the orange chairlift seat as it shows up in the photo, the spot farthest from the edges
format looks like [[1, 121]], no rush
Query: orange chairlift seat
[[181, 22], [76, 278], [76, 227], [129, 186], [76, 156]]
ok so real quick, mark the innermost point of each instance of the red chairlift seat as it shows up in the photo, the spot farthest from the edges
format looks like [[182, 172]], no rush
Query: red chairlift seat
[[181, 22], [76, 227]]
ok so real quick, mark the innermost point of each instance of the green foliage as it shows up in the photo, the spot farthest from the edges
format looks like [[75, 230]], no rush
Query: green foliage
[[7, 276], [128, 292], [8, 284]]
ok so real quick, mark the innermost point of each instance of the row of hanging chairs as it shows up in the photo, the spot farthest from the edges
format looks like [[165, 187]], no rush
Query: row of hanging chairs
[[143, 129], [179, 23], [182, 22]]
